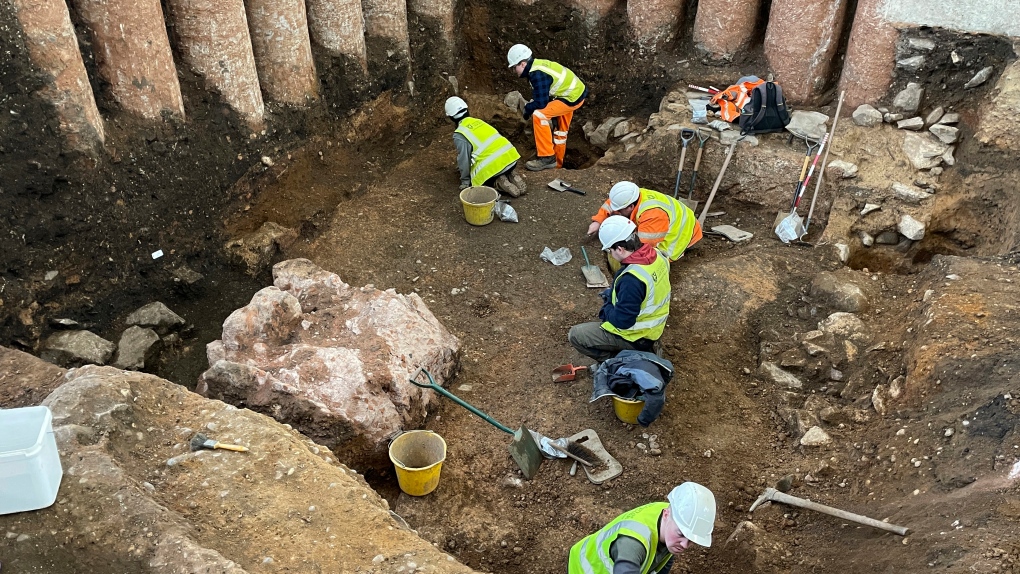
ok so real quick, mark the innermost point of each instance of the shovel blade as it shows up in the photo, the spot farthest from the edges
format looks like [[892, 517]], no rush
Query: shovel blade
[[594, 277], [559, 185], [690, 203], [525, 452], [790, 228]]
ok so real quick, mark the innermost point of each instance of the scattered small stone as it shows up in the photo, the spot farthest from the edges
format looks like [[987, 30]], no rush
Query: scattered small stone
[[867, 116], [867, 239], [869, 207], [950, 118], [914, 124], [948, 432], [927, 295], [979, 78], [777, 375], [842, 252], [51, 275], [64, 323], [953, 277], [157, 317], [909, 193], [923, 44], [786, 483], [947, 157], [947, 134], [909, 98], [934, 116], [267, 161], [815, 436], [835, 374], [924, 151], [911, 64], [621, 129], [847, 169], [910, 228], [955, 57], [891, 118], [936, 171], [654, 451], [887, 237]]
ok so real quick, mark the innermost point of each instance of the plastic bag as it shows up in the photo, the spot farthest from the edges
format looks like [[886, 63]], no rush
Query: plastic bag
[[558, 257], [699, 111], [505, 212]]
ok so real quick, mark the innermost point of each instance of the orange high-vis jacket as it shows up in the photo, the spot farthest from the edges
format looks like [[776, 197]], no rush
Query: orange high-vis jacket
[[652, 224], [732, 100]]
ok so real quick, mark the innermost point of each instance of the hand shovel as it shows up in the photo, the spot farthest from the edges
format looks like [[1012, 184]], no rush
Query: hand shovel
[[566, 373], [560, 185], [593, 275]]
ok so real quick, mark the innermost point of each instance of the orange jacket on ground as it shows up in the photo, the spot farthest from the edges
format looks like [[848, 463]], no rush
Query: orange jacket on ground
[[732, 100]]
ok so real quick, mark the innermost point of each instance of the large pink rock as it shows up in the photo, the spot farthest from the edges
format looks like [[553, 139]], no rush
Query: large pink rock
[[723, 28], [801, 42], [212, 39], [53, 49], [283, 50], [387, 19], [331, 359], [655, 21], [870, 56], [339, 27], [133, 53]]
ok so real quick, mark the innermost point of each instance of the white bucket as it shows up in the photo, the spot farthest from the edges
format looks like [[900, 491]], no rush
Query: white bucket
[[30, 470]]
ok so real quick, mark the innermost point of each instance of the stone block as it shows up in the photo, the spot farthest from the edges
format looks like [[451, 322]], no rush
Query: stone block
[[908, 100], [867, 116], [910, 228], [137, 347], [75, 348], [829, 289]]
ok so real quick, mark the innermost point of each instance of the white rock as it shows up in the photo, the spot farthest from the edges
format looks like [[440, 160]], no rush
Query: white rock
[[923, 44], [267, 161], [979, 78], [843, 252], [815, 436], [777, 375], [878, 399], [867, 239], [947, 157], [909, 98], [911, 64], [869, 207], [948, 134], [910, 228], [842, 324], [847, 169], [923, 150], [867, 116], [808, 123], [909, 193], [621, 129]]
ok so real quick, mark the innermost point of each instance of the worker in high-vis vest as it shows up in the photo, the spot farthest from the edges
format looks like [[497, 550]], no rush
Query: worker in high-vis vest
[[645, 540], [635, 308], [483, 156], [662, 221], [556, 93]]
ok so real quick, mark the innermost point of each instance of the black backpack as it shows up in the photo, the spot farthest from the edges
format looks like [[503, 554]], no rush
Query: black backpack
[[766, 112]]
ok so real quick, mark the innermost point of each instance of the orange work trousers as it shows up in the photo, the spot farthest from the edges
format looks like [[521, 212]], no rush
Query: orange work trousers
[[551, 125]]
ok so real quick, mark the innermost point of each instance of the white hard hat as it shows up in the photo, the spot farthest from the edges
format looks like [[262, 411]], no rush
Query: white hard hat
[[692, 508], [517, 53], [455, 107], [622, 195], [614, 229]]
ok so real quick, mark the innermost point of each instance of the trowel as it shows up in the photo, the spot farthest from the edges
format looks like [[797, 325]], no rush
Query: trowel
[[560, 185]]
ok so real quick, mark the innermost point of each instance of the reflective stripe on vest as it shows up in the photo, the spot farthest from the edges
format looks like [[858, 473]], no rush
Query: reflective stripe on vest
[[491, 153], [681, 223], [566, 85], [592, 554], [651, 319]]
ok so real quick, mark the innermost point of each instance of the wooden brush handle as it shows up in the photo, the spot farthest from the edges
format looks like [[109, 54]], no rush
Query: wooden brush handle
[[233, 447], [564, 451]]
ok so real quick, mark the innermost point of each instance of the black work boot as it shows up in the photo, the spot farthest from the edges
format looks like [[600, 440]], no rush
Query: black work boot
[[540, 163]]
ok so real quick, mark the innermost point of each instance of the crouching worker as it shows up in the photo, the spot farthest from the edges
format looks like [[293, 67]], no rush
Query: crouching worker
[[635, 308], [662, 221], [646, 539], [483, 156]]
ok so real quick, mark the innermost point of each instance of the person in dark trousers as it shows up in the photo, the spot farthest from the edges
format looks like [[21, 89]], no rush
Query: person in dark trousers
[[635, 308]]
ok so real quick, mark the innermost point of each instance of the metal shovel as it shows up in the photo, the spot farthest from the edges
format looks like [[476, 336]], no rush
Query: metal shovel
[[560, 185], [791, 228], [593, 275], [523, 448]]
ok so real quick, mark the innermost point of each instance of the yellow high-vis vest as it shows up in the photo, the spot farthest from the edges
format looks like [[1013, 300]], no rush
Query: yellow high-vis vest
[[651, 319], [681, 222], [491, 153], [566, 85], [591, 554]]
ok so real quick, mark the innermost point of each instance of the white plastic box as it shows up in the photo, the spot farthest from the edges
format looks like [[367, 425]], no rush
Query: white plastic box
[[30, 470]]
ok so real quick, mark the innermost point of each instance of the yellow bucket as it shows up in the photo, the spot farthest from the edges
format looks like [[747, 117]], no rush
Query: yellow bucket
[[418, 458], [627, 410], [478, 203]]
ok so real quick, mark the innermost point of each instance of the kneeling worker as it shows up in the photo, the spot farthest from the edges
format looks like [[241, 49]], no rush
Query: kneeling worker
[[647, 538], [635, 308], [483, 156], [556, 93], [662, 221]]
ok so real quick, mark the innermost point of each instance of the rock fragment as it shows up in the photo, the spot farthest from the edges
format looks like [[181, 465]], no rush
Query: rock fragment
[[867, 116], [979, 78], [75, 348], [909, 98]]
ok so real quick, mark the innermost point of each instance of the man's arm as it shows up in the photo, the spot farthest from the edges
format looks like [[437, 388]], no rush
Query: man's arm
[[630, 292], [628, 555], [464, 150], [540, 84]]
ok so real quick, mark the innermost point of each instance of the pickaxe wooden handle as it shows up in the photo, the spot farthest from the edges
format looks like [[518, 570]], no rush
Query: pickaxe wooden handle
[[773, 495]]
